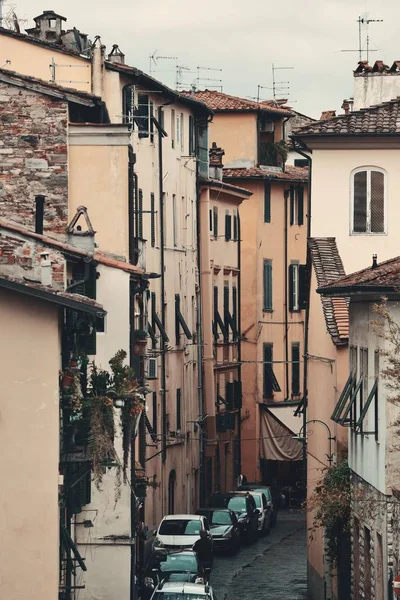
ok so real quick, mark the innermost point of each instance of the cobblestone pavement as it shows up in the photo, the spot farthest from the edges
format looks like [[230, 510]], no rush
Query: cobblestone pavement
[[274, 568]]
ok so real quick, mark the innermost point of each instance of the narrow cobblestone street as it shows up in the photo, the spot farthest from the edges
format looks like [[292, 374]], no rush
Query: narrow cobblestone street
[[274, 568]]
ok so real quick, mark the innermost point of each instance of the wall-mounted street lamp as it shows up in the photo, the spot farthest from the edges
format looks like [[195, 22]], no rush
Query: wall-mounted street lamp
[[303, 438]]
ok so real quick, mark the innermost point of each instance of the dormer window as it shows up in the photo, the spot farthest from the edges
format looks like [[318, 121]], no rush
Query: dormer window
[[368, 194]]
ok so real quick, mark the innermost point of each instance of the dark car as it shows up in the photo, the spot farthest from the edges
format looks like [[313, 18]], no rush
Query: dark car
[[244, 506], [224, 528], [173, 566], [272, 496]]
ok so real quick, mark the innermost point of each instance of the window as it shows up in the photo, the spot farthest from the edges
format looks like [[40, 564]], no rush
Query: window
[[155, 412], [215, 224], [235, 227], [368, 201], [267, 287], [175, 220], [178, 410], [172, 128], [295, 368], [182, 134], [300, 162], [294, 287], [270, 383], [142, 115], [140, 215], [296, 205], [192, 144], [178, 129], [153, 220], [267, 202], [228, 226]]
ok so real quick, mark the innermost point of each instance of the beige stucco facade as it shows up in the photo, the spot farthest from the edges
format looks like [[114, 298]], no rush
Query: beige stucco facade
[[29, 442]]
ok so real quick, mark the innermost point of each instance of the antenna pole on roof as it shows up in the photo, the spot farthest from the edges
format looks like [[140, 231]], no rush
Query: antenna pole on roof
[[279, 86], [363, 21]]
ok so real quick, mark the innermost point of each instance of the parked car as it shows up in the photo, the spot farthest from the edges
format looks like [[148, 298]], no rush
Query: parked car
[[183, 591], [275, 498], [224, 528], [244, 506], [174, 566], [264, 519], [177, 532]]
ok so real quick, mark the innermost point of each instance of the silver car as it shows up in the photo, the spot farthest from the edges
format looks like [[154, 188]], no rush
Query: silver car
[[183, 591], [264, 518], [177, 532]]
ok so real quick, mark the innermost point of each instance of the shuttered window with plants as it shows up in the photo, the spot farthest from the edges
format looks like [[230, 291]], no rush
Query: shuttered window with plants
[[267, 284]]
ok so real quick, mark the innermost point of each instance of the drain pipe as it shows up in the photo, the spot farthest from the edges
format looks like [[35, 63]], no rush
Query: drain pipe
[[286, 194], [239, 326]]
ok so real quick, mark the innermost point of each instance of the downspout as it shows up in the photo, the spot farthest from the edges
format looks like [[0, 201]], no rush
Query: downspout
[[132, 181], [307, 315], [239, 348], [284, 121], [285, 266]]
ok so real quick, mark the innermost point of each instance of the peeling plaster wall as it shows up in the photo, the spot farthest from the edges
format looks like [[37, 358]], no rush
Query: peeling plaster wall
[[29, 448], [33, 157]]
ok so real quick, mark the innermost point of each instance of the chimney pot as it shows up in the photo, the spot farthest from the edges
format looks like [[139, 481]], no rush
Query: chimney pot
[[374, 261], [46, 271], [216, 165]]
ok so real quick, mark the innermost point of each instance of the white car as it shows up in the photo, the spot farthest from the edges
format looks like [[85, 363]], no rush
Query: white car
[[183, 591], [264, 518], [177, 532]]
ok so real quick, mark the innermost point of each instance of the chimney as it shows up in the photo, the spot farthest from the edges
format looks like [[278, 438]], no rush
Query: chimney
[[48, 27], [375, 84], [80, 232], [327, 114], [39, 214], [98, 52], [215, 164], [374, 261], [346, 107], [116, 56], [46, 274]]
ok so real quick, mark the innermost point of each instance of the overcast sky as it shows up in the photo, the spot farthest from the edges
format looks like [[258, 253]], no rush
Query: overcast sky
[[241, 37]]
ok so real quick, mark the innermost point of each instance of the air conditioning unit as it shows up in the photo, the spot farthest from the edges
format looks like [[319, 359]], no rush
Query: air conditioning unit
[[267, 127], [152, 368]]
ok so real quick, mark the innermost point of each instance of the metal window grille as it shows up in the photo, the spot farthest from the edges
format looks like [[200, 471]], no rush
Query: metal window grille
[[377, 202], [369, 202], [360, 202]]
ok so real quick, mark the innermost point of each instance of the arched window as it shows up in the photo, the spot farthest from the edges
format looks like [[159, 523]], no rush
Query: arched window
[[368, 194], [171, 492]]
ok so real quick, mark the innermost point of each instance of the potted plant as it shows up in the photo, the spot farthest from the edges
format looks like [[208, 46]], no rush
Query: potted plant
[[140, 342]]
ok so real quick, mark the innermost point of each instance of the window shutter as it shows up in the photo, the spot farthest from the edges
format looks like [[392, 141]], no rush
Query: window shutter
[[226, 311], [127, 104], [267, 202], [267, 360], [211, 220], [267, 285], [295, 369], [142, 115], [230, 395], [215, 210], [292, 197], [377, 202], [140, 214], [151, 110], [177, 309], [153, 220], [155, 412], [291, 286], [178, 410], [235, 228], [300, 205], [234, 307], [360, 202], [191, 136], [228, 227], [237, 393], [304, 284]]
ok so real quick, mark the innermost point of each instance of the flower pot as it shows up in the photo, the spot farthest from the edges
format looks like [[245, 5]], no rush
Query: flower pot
[[67, 381], [139, 347]]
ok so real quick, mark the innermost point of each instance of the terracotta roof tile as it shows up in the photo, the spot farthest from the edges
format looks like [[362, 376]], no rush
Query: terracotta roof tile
[[328, 267], [290, 173], [219, 102], [382, 119], [384, 275]]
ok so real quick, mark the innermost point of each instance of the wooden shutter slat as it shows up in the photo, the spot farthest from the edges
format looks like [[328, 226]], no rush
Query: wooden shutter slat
[[267, 202]]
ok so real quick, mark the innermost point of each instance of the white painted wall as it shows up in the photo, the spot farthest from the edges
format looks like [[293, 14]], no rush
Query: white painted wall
[[373, 88]]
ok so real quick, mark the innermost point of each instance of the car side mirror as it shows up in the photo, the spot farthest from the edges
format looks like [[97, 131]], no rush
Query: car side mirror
[[257, 512]]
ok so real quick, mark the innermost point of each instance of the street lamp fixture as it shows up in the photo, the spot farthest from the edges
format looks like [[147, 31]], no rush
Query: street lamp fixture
[[302, 437]]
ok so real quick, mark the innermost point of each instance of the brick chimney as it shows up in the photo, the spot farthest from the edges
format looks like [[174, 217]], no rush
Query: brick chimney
[[48, 27], [216, 164], [375, 84], [327, 114], [116, 56]]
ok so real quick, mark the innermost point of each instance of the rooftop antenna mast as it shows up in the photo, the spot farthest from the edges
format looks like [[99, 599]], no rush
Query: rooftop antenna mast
[[153, 58], [200, 78], [363, 21], [261, 87], [279, 86], [180, 69]]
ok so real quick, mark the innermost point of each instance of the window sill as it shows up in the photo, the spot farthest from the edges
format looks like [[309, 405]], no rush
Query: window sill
[[268, 310], [367, 233]]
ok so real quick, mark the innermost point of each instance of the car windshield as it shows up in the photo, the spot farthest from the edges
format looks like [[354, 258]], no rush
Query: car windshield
[[180, 527], [219, 517], [180, 596], [266, 492], [179, 563], [257, 500], [237, 503]]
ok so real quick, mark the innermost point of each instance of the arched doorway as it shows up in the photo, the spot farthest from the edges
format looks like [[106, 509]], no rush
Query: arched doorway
[[171, 492]]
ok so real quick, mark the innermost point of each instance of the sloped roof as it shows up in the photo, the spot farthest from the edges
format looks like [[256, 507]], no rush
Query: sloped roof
[[290, 173], [221, 102], [383, 119], [328, 267], [382, 277]]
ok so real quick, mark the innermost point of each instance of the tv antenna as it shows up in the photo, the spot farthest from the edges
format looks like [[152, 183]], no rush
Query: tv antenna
[[279, 87], [364, 21], [217, 82], [180, 71], [153, 58]]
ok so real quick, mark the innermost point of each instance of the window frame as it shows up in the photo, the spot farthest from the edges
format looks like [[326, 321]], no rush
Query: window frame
[[369, 169], [267, 295]]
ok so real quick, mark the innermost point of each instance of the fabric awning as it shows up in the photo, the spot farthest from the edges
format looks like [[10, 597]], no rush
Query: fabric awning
[[276, 441]]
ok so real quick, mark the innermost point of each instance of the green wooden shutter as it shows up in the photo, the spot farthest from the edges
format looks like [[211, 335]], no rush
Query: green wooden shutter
[[228, 227], [211, 220], [267, 202], [292, 198], [304, 284], [291, 287], [153, 220], [295, 369], [267, 284], [215, 210], [235, 228], [267, 360], [300, 205], [142, 115], [178, 409], [140, 214]]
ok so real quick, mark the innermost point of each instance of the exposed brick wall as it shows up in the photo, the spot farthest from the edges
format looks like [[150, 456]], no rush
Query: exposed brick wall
[[33, 157], [21, 258]]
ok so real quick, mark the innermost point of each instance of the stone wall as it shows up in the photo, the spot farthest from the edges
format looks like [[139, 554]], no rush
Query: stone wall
[[33, 157]]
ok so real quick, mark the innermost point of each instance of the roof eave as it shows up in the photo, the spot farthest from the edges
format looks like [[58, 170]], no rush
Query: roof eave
[[357, 290]]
